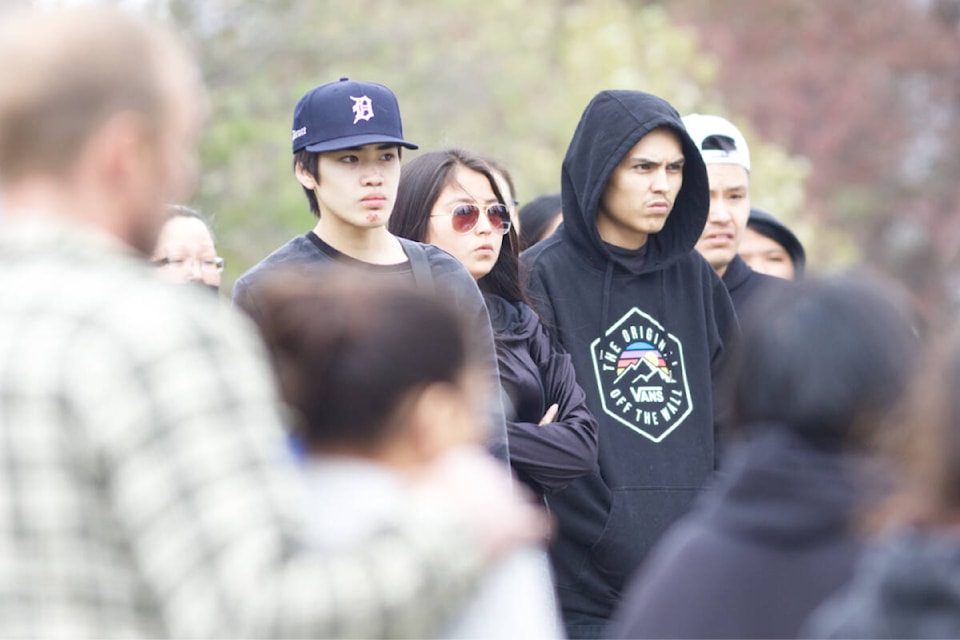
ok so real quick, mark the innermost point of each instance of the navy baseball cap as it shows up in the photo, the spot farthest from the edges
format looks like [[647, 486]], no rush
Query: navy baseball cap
[[347, 114]]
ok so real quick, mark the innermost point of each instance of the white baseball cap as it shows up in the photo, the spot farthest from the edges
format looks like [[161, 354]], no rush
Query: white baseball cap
[[718, 140]]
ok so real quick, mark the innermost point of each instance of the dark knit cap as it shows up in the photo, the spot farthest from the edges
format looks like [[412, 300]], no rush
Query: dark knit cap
[[767, 225]]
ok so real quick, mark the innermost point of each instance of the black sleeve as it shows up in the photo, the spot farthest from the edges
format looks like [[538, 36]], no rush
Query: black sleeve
[[554, 454]]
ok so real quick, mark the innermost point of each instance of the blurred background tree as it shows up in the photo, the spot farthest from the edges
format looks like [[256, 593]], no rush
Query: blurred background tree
[[850, 106], [869, 92]]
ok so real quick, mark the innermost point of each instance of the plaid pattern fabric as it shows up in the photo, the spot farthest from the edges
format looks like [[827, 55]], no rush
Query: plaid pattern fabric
[[145, 489]]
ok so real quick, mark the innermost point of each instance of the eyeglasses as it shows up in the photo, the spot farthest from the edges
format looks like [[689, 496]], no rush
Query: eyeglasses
[[207, 265], [465, 217]]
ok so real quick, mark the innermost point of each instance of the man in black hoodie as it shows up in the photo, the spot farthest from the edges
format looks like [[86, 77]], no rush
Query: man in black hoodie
[[644, 318], [727, 157]]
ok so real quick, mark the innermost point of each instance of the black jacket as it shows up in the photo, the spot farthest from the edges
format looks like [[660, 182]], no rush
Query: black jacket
[[745, 285], [906, 585], [771, 539], [535, 372], [645, 342]]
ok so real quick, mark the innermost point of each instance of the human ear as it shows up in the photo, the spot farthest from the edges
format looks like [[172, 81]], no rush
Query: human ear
[[304, 177]]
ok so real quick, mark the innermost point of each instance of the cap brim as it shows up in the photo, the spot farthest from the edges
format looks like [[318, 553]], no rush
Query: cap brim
[[358, 141]]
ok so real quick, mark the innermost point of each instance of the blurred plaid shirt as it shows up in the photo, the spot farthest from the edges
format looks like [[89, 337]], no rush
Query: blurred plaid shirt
[[145, 484]]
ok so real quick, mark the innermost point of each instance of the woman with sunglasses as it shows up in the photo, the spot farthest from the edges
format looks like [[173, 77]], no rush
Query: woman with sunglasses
[[451, 199]]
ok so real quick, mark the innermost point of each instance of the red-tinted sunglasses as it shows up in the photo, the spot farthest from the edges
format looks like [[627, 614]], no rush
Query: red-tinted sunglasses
[[465, 217]]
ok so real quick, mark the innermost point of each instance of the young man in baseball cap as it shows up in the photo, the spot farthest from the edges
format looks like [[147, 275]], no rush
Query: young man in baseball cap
[[347, 141], [727, 156]]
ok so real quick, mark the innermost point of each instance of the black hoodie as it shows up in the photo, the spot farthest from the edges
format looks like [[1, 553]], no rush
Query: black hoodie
[[745, 285], [645, 335]]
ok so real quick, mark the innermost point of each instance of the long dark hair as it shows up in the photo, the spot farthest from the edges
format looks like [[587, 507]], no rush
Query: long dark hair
[[422, 180]]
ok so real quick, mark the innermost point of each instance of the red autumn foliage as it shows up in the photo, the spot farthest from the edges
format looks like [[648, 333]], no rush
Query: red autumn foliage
[[869, 91]]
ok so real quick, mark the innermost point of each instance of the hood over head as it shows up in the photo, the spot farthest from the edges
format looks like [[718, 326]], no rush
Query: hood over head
[[613, 122], [780, 491]]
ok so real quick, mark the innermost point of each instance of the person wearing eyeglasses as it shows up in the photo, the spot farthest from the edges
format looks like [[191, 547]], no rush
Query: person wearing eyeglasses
[[347, 142], [185, 250], [453, 200]]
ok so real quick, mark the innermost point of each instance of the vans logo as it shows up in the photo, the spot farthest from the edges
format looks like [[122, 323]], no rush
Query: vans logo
[[640, 375]]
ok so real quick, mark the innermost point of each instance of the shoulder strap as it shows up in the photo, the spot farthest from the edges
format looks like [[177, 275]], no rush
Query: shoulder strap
[[419, 264]]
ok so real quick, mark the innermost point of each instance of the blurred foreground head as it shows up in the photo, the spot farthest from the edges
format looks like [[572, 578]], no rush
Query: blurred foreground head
[[826, 358], [99, 113], [369, 365]]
